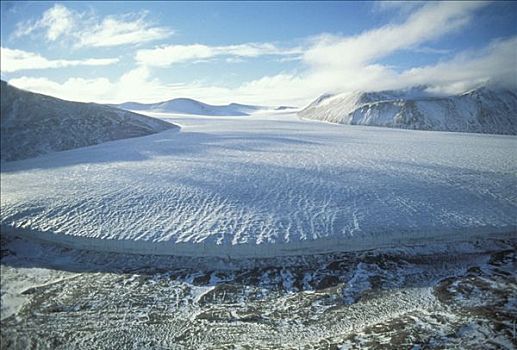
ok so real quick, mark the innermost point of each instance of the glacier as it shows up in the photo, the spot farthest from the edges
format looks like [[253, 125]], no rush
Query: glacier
[[267, 185], [487, 109]]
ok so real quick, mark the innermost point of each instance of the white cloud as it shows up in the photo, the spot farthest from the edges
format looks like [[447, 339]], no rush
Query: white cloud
[[429, 22], [234, 60], [75, 89], [333, 64], [114, 32], [58, 20], [13, 60], [341, 63], [171, 54], [496, 63], [87, 30], [135, 85], [55, 22]]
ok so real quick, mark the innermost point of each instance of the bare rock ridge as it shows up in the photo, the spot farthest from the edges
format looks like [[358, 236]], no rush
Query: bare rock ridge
[[34, 124], [482, 110]]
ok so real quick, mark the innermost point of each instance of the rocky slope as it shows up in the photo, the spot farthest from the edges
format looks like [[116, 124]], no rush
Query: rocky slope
[[483, 110], [33, 124]]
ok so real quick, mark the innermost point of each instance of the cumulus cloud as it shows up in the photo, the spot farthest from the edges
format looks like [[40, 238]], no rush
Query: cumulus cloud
[[87, 30], [16, 60], [167, 55]]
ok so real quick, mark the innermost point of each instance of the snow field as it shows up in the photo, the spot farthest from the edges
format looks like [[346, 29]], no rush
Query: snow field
[[266, 185]]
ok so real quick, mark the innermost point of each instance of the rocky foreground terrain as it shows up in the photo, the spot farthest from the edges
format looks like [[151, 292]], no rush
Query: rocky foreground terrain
[[434, 297]]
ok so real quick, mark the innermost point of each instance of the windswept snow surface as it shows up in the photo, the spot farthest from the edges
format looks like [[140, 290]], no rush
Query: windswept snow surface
[[265, 186], [487, 109], [34, 124]]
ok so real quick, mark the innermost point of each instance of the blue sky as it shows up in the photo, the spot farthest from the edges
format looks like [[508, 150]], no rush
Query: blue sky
[[253, 52]]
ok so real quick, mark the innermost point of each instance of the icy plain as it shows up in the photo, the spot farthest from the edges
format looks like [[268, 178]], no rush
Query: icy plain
[[265, 185]]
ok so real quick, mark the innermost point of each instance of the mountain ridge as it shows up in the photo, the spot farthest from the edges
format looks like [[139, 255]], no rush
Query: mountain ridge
[[185, 105], [33, 124], [481, 110]]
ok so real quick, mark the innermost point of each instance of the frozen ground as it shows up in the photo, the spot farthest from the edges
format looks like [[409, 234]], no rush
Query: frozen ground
[[265, 185], [456, 296]]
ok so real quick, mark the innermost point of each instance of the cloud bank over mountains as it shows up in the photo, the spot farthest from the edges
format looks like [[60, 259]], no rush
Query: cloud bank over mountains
[[327, 62]]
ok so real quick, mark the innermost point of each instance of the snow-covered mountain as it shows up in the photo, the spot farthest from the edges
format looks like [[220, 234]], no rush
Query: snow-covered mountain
[[33, 124], [190, 106], [483, 110]]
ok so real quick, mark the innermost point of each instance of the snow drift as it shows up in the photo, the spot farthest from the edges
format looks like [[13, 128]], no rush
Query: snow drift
[[33, 124], [190, 106], [483, 110]]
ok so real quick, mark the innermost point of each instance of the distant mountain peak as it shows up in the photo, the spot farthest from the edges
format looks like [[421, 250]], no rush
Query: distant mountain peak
[[185, 105]]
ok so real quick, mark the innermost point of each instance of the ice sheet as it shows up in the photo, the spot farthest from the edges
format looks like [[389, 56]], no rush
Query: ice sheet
[[265, 185]]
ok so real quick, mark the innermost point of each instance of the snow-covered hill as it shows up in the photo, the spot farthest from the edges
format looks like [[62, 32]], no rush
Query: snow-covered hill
[[190, 106], [483, 110], [33, 124]]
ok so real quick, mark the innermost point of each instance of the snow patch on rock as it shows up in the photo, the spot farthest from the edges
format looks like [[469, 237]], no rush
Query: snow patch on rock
[[34, 124], [483, 110]]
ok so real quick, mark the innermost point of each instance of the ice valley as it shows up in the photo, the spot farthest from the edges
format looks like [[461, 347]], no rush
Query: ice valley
[[265, 185], [265, 232]]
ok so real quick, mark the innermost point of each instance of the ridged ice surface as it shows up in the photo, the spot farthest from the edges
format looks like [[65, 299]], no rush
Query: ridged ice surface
[[265, 186]]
